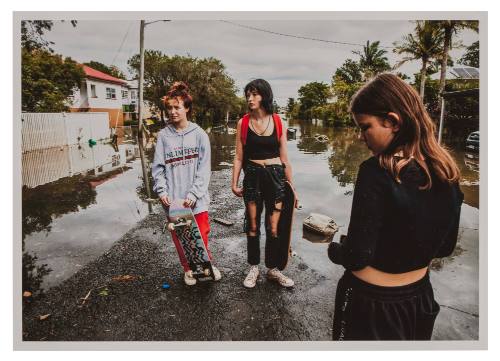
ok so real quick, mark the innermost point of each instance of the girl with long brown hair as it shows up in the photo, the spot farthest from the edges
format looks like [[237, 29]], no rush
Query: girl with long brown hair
[[405, 212]]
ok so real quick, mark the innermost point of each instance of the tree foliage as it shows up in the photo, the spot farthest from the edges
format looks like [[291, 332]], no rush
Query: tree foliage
[[471, 56], [213, 90], [451, 28], [350, 72], [312, 95], [372, 59], [48, 81], [424, 44], [32, 32]]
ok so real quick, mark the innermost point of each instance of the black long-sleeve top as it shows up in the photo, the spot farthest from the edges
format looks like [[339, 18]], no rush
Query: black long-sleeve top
[[396, 227]]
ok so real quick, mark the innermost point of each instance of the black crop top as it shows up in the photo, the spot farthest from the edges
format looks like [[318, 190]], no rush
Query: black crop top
[[261, 147], [395, 227]]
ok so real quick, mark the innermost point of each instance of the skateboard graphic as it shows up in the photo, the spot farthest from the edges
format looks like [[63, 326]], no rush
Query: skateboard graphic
[[285, 224], [181, 221]]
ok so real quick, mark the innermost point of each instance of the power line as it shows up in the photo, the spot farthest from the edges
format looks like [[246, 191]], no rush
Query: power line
[[123, 41], [299, 36]]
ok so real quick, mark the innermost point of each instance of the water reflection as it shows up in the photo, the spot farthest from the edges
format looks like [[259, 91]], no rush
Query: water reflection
[[76, 201], [223, 149]]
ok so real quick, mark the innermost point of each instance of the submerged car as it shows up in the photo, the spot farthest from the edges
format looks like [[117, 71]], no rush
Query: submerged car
[[472, 142]]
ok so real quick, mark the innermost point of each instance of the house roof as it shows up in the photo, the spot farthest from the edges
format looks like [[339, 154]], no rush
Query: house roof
[[96, 74]]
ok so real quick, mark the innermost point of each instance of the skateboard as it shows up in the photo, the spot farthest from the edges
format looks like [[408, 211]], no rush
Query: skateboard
[[181, 221], [285, 224]]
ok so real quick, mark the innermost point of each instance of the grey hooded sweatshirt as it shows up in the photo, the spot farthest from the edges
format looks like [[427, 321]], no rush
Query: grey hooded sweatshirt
[[181, 166]]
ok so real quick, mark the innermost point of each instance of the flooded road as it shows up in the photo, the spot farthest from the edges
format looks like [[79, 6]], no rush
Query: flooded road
[[324, 172], [70, 221], [75, 224]]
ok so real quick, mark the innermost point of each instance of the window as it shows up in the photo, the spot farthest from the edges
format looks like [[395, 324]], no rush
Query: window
[[124, 94], [110, 93], [93, 93], [133, 95]]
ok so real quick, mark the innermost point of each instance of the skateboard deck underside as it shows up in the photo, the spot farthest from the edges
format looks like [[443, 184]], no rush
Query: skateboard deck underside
[[190, 241]]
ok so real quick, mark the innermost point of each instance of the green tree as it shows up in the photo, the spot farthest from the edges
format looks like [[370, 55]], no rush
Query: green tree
[[343, 92], [372, 59], [110, 70], [471, 56], [32, 32], [311, 95], [450, 28], [213, 90], [48, 81], [350, 72], [424, 44], [289, 105]]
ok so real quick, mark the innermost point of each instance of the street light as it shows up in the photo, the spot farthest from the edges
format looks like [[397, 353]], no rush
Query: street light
[[140, 111]]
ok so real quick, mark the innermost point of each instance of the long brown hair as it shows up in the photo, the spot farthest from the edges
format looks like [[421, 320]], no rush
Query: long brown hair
[[416, 137]]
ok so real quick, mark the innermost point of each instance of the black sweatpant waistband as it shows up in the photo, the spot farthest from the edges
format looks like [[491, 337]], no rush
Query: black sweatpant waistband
[[396, 292]]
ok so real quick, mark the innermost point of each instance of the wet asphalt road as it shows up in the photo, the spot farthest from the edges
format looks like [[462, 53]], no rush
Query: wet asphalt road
[[137, 308]]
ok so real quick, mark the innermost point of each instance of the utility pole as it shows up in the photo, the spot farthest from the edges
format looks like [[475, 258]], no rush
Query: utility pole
[[140, 110], [140, 134]]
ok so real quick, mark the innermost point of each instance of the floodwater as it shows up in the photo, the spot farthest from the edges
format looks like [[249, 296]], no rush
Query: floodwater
[[324, 172], [72, 220], [77, 215]]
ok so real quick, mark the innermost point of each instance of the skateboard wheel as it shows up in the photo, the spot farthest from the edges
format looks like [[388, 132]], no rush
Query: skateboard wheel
[[206, 271], [189, 222], [171, 227]]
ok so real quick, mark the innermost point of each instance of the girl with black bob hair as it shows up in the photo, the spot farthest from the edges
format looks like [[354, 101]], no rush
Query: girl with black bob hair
[[261, 152], [405, 212]]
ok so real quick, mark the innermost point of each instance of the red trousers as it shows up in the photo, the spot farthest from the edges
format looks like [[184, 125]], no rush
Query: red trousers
[[204, 226]]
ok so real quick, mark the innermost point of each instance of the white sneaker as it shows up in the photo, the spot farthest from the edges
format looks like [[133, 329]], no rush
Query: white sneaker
[[217, 275], [275, 275], [251, 278], [189, 279]]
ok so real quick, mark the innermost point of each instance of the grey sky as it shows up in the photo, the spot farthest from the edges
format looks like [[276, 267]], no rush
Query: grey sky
[[287, 63]]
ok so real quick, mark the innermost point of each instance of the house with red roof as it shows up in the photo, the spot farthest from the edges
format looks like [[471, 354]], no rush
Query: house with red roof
[[101, 92]]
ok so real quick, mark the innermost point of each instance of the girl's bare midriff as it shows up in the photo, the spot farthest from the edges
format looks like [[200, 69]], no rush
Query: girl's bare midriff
[[379, 278], [265, 162]]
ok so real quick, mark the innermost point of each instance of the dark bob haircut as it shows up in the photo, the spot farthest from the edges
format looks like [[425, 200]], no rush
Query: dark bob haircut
[[264, 89]]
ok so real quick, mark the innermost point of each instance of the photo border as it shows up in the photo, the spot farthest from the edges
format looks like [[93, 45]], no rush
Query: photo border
[[480, 344]]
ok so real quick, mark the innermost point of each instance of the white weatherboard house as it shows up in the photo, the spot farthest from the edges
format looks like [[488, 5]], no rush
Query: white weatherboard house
[[100, 92]]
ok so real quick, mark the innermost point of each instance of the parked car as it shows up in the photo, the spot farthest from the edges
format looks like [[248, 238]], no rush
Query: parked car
[[472, 142]]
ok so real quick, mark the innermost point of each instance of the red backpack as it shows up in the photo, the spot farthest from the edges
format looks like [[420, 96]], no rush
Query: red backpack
[[246, 121]]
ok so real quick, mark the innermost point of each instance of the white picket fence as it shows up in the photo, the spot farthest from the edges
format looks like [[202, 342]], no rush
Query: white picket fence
[[48, 130], [48, 165]]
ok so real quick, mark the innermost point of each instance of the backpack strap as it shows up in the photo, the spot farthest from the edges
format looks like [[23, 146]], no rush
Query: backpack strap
[[246, 121], [244, 128], [278, 125]]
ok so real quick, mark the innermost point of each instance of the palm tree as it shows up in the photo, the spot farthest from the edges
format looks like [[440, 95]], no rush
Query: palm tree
[[424, 44], [451, 27], [372, 59]]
